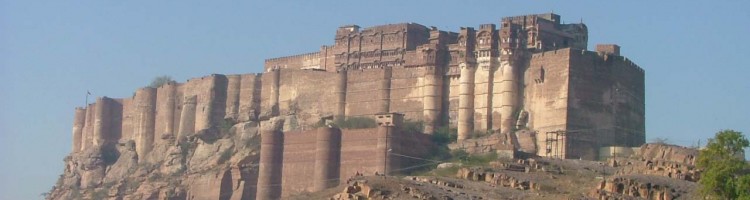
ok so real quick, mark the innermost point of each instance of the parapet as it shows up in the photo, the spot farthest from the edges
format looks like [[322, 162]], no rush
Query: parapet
[[487, 26], [609, 49], [550, 16], [300, 61], [600, 57], [347, 29]]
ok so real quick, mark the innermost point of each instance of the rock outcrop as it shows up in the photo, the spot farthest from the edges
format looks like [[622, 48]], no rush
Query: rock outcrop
[[662, 160], [656, 171], [494, 143], [222, 166], [642, 186], [500, 179]]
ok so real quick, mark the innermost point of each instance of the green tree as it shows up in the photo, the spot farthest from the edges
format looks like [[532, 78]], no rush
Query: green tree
[[725, 174], [160, 80]]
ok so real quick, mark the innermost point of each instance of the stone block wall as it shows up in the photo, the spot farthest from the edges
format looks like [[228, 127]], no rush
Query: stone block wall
[[606, 101], [301, 61], [365, 94], [546, 93], [363, 151], [406, 92], [308, 94], [173, 109]]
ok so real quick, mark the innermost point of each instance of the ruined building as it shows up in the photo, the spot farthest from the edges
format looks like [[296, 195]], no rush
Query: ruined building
[[532, 73]]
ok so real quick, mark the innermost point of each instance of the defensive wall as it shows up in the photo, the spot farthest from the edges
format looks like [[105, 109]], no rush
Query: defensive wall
[[332, 155], [532, 74], [172, 110], [596, 96]]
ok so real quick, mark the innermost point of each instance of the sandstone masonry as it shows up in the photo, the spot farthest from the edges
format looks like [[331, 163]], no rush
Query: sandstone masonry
[[534, 74]]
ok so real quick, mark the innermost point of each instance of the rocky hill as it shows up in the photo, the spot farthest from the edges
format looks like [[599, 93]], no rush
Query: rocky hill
[[400, 99], [657, 171], [225, 165], [204, 166]]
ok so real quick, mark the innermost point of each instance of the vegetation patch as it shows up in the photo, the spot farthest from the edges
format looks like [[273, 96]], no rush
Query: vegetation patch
[[725, 173], [410, 126], [225, 155], [444, 135], [355, 123], [252, 143], [161, 80], [446, 172], [225, 126], [467, 159]]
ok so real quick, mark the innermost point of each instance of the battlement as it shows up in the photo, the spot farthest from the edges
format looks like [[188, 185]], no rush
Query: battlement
[[606, 57], [298, 56], [487, 26], [521, 19], [299, 61], [346, 30], [388, 28], [593, 55], [611, 49]]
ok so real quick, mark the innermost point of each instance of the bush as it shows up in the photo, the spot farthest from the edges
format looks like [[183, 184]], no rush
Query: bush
[[410, 126], [185, 147], [446, 172], [226, 125], [161, 80], [356, 123], [473, 160], [252, 143], [225, 156], [444, 135], [154, 177]]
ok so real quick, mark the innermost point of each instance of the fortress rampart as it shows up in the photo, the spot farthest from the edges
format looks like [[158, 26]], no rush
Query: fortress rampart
[[533, 74], [331, 155], [475, 80]]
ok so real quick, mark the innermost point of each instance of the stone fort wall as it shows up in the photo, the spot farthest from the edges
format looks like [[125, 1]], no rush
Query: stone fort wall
[[533, 73], [331, 156]]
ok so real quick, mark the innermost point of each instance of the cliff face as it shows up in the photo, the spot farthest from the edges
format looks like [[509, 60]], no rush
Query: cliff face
[[193, 140], [196, 167]]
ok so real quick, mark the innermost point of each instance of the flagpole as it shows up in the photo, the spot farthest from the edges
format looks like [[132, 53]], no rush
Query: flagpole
[[87, 98]]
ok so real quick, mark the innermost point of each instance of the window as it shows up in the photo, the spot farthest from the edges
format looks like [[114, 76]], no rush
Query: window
[[541, 73]]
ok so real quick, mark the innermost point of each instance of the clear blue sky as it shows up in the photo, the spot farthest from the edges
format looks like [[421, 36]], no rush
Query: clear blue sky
[[694, 54]]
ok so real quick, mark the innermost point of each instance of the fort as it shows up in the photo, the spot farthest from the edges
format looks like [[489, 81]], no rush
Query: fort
[[531, 81]]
